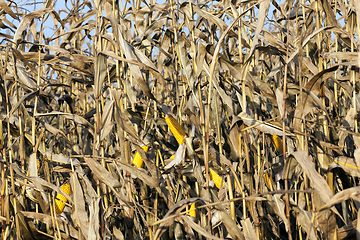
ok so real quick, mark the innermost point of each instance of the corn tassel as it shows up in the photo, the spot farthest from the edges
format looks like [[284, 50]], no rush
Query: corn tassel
[[61, 199], [138, 161], [278, 143], [176, 129], [192, 211], [217, 179]]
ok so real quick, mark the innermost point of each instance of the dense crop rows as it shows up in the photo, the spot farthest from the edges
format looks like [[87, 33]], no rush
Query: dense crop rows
[[87, 86]]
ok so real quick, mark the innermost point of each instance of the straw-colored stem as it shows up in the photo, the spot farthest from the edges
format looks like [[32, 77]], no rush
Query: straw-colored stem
[[283, 125], [9, 144], [218, 125], [231, 196], [242, 176]]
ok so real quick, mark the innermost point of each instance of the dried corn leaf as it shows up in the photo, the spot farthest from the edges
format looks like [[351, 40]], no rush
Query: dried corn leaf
[[107, 120], [7, 9], [79, 214], [348, 123], [305, 105], [179, 157], [357, 9], [124, 123], [172, 213], [264, 7], [74, 117], [215, 79], [304, 218], [47, 219], [279, 99], [198, 228], [60, 158], [279, 208], [100, 73], [41, 181], [135, 70], [26, 20], [248, 228], [24, 78], [54, 130], [262, 126], [33, 166], [341, 196], [94, 221], [148, 180], [102, 173], [317, 181], [347, 164]]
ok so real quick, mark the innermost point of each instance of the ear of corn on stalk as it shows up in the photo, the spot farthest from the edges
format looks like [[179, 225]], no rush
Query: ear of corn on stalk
[[278, 143], [138, 161], [217, 179], [61, 199], [176, 129]]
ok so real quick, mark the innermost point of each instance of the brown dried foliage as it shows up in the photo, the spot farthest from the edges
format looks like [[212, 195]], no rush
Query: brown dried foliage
[[84, 85]]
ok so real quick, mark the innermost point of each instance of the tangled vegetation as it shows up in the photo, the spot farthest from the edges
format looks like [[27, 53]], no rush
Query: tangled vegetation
[[179, 120]]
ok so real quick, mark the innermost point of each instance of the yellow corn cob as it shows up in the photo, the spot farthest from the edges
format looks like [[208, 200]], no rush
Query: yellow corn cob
[[278, 143], [61, 199], [138, 161], [176, 129], [216, 178], [192, 211]]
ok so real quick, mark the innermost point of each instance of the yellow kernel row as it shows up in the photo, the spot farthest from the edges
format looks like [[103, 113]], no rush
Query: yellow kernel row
[[138, 161], [176, 129], [61, 199], [219, 182]]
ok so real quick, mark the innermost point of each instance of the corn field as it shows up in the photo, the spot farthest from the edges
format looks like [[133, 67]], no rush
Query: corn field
[[179, 120]]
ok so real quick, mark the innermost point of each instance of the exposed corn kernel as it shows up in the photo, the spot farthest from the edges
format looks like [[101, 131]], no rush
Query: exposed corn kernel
[[278, 143], [192, 211], [61, 199], [176, 129], [138, 161], [217, 179]]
